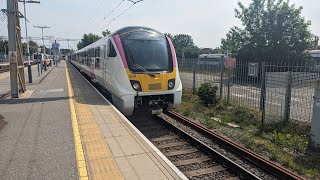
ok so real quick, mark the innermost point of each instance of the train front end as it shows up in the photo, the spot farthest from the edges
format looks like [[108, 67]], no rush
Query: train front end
[[151, 68]]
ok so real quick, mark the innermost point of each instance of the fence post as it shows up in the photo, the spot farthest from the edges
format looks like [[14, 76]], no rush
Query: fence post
[[221, 77], [263, 93], [315, 125], [228, 95], [194, 76], [288, 98]]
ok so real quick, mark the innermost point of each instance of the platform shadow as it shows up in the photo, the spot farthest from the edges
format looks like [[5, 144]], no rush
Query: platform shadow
[[89, 101], [32, 100]]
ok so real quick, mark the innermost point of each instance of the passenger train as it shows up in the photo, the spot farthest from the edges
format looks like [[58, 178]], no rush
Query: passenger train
[[211, 59], [137, 66], [44, 59]]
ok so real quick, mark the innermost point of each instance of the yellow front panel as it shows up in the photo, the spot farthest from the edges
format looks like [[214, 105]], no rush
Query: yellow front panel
[[152, 84]]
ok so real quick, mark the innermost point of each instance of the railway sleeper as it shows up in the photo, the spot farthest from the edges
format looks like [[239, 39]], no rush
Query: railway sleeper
[[173, 144], [165, 138], [191, 161], [155, 128], [180, 152], [209, 170]]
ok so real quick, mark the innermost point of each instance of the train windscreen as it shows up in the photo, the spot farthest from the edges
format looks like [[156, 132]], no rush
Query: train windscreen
[[146, 51]]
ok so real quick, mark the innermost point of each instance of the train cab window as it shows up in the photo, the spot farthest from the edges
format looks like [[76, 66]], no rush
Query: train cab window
[[111, 51]]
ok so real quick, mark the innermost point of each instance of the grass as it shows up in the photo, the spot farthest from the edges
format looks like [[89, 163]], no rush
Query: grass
[[283, 142]]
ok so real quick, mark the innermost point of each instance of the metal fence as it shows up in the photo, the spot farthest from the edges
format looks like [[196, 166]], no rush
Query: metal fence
[[281, 91]]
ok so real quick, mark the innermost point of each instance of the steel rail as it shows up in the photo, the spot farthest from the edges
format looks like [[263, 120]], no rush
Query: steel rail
[[6, 67], [242, 173], [247, 154]]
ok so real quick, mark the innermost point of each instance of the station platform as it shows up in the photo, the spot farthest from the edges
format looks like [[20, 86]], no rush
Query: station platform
[[62, 128], [36, 78]]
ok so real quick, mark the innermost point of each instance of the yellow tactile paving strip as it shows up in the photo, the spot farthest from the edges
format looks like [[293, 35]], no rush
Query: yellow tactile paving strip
[[97, 155], [81, 163]]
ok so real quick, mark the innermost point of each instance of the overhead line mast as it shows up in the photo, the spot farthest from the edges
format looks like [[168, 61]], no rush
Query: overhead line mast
[[42, 27], [15, 49]]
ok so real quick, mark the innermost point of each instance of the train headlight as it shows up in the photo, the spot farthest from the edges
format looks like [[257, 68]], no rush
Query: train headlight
[[171, 84], [136, 85]]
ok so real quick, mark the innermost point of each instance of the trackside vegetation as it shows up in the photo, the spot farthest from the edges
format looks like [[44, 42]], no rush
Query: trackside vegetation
[[285, 143]]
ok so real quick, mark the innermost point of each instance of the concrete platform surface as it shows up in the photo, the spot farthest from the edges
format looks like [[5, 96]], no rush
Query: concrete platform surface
[[36, 78], [37, 142], [62, 128]]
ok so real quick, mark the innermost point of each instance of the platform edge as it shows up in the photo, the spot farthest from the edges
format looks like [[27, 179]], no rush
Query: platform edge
[[163, 157]]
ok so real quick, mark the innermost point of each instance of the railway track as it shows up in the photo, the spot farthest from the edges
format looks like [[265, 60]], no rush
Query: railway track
[[193, 158], [197, 159], [6, 67], [261, 162], [4, 70], [203, 154]]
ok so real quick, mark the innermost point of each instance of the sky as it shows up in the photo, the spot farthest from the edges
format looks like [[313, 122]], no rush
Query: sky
[[207, 21]]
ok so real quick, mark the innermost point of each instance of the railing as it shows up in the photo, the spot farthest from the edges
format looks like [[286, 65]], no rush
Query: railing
[[281, 91]]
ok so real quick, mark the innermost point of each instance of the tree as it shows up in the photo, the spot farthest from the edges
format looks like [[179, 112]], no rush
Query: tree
[[184, 42], [4, 47], [211, 51], [192, 51], [273, 30], [88, 39], [315, 40], [32, 47], [106, 33], [169, 35], [47, 49], [233, 42]]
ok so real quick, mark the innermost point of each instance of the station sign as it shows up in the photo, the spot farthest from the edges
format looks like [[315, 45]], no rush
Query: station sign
[[13, 56], [230, 63], [253, 69]]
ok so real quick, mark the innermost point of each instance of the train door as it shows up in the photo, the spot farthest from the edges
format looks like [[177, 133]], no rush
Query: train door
[[110, 67], [104, 56], [98, 63], [92, 62]]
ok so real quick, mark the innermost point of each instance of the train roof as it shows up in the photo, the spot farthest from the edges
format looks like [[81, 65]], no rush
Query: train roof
[[212, 55], [135, 28], [104, 40]]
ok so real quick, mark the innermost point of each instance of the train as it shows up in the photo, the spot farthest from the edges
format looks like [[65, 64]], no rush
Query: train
[[315, 56], [137, 66], [211, 59], [44, 59]]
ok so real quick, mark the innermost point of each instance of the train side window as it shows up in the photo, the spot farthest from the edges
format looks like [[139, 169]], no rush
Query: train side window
[[111, 51]]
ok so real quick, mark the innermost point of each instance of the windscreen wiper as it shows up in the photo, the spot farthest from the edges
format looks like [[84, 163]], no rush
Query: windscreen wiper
[[139, 66]]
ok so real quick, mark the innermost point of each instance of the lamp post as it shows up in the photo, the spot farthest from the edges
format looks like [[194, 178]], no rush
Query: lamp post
[[44, 47], [28, 48]]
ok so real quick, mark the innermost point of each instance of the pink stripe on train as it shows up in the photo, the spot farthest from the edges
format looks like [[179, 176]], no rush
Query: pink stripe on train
[[116, 39], [173, 52]]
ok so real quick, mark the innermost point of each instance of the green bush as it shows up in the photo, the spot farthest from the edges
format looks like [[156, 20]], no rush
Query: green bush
[[207, 93], [293, 142]]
